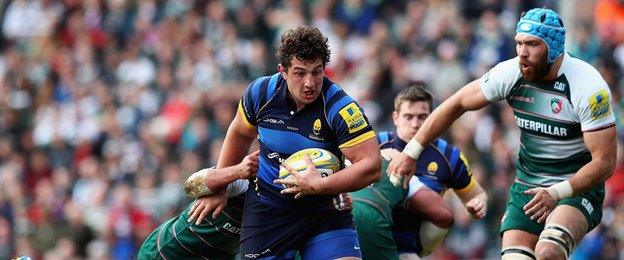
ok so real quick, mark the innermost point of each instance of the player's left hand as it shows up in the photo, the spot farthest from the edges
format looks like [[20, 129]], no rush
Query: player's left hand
[[202, 206], [303, 183], [343, 202], [541, 205], [477, 208]]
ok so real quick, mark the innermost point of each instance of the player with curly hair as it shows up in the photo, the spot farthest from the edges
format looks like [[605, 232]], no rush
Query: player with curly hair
[[297, 108]]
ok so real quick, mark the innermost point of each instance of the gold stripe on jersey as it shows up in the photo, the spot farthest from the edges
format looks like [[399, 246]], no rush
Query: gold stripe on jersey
[[241, 114], [358, 140], [468, 188]]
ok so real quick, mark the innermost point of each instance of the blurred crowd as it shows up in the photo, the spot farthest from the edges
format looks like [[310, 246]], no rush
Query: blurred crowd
[[106, 106]]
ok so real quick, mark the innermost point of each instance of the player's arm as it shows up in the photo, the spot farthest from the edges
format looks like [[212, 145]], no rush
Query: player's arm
[[602, 146], [474, 198], [468, 98], [364, 170], [206, 181], [431, 206], [237, 141]]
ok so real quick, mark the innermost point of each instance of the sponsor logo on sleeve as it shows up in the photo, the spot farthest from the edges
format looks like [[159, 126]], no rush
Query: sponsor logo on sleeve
[[353, 117], [599, 104]]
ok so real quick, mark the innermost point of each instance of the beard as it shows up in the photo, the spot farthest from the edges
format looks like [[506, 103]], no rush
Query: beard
[[533, 71]]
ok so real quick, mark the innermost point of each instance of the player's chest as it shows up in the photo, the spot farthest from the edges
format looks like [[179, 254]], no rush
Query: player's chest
[[434, 168], [543, 101], [309, 122]]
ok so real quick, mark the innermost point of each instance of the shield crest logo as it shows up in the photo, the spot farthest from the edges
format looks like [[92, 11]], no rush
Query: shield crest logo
[[556, 105], [316, 127]]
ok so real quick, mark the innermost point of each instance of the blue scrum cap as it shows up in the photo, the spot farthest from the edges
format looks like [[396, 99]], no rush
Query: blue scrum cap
[[547, 25]]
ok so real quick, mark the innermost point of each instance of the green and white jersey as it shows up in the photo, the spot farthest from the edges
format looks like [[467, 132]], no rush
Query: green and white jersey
[[212, 239], [552, 116]]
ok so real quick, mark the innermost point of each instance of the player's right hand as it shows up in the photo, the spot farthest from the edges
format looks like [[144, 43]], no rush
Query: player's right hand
[[477, 208], [401, 166], [204, 205], [248, 168]]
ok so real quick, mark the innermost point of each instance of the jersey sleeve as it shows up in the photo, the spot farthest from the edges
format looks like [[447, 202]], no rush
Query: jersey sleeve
[[348, 121], [497, 83], [237, 187], [247, 104], [461, 173], [255, 95], [594, 106]]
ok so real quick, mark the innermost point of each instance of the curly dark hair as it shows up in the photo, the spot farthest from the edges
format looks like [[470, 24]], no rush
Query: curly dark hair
[[306, 43]]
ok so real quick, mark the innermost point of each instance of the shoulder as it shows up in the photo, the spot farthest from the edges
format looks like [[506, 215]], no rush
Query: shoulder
[[385, 138], [335, 99], [582, 76], [586, 83], [264, 88], [451, 152]]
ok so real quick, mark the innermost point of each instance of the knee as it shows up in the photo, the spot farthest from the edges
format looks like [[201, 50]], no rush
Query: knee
[[549, 251]]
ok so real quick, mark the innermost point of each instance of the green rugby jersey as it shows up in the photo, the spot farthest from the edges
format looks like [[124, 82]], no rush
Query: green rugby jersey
[[381, 195], [552, 116], [213, 238]]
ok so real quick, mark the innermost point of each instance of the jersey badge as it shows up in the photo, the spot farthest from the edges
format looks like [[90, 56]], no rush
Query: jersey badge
[[432, 168], [353, 117], [316, 127], [556, 105], [599, 104], [316, 131]]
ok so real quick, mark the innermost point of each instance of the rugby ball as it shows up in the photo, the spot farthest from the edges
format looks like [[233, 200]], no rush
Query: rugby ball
[[326, 163]]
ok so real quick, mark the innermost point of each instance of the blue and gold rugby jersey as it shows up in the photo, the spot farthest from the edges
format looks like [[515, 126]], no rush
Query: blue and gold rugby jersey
[[440, 166], [331, 122]]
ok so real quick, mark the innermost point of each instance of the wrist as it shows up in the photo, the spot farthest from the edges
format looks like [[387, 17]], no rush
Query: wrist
[[195, 186], [561, 190], [413, 149]]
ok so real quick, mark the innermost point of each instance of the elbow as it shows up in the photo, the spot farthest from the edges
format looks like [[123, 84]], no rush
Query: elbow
[[444, 219], [610, 168], [375, 172]]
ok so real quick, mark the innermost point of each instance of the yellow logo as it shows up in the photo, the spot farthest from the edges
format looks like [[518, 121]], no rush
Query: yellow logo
[[432, 168], [599, 104], [316, 127], [353, 117]]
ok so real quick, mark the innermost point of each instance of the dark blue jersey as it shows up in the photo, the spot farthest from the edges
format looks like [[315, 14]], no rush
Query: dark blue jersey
[[331, 122], [440, 166]]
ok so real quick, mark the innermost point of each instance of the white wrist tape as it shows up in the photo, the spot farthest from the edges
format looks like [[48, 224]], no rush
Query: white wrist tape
[[413, 149], [562, 190], [396, 180], [195, 186]]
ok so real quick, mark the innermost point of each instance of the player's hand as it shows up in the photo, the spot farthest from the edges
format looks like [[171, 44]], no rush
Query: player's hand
[[541, 205], [343, 202], [477, 208], [303, 183], [401, 166], [248, 168], [389, 153], [204, 205]]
